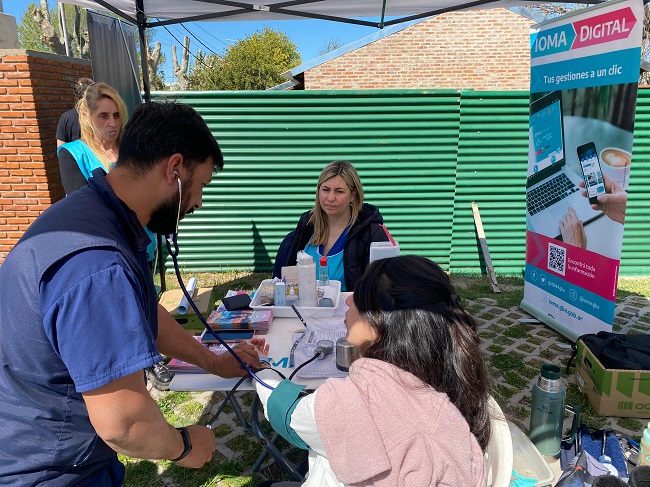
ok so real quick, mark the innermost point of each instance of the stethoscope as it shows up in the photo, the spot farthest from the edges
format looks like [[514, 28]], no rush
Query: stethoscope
[[172, 249]]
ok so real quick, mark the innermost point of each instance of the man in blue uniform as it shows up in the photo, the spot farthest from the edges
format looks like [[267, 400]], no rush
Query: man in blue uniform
[[80, 321]]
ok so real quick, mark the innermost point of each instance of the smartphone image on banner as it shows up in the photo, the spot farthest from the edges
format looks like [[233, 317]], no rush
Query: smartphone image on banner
[[591, 172]]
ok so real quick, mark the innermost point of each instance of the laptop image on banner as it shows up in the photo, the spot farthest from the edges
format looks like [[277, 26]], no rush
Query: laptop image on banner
[[551, 187]]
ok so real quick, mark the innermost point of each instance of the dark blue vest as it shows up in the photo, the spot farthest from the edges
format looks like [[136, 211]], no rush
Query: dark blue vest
[[46, 435]]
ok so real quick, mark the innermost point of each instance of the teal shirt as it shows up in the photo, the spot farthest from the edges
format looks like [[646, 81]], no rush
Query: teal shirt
[[334, 259], [85, 157], [88, 162]]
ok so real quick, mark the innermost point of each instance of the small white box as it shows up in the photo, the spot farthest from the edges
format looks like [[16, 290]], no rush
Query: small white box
[[305, 311], [382, 250]]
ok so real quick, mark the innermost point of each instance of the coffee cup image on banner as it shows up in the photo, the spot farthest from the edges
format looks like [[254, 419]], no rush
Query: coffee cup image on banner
[[615, 164]]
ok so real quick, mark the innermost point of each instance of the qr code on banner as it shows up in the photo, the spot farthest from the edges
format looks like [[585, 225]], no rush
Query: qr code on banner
[[556, 258]]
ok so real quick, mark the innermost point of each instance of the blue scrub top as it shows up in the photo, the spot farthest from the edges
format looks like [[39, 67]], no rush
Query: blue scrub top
[[334, 258]]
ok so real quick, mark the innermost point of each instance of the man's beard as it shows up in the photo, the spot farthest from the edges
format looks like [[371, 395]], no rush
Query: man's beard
[[164, 217]]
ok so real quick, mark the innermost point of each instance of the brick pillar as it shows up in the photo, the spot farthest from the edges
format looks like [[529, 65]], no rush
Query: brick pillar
[[35, 89]]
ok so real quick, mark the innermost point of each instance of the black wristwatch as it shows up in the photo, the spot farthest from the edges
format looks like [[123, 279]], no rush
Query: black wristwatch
[[187, 444]]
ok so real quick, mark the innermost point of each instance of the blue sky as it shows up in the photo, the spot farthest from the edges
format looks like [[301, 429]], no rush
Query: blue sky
[[309, 35]]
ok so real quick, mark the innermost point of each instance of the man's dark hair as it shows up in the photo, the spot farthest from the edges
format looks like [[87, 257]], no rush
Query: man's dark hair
[[158, 130], [80, 87]]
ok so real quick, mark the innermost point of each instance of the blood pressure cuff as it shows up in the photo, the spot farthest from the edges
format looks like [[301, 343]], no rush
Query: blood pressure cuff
[[282, 402]]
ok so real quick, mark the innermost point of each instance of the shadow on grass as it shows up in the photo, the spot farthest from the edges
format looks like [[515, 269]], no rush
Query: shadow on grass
[[145, 473], [471, 287]]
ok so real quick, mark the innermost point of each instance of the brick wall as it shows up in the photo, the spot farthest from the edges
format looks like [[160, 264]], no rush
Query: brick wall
[[482, 50], [35, 89]]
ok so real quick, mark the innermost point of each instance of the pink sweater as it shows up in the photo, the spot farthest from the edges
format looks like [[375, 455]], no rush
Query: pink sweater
[[382, 426]]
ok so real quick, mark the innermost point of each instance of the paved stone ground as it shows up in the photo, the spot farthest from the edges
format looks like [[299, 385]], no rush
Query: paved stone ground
[[515, 351]]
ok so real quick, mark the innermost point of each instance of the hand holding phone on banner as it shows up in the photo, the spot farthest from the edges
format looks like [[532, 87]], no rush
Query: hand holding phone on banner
[[591, 171], [613, 202]]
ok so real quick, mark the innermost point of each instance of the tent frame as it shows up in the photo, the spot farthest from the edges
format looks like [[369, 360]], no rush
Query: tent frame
[[284, 8]]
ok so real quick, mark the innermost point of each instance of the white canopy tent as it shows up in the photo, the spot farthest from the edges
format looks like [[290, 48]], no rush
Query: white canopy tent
[[174, 11], [388, 12], [382, 12]]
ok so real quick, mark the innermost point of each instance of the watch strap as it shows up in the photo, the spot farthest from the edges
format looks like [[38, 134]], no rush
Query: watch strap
[[187, 444]]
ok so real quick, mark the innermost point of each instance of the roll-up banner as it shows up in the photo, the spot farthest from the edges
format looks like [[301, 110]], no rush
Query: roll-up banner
[[583, 88]]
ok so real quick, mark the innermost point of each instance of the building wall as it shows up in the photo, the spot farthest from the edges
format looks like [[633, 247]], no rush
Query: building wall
[[482, 50], [35, 89]]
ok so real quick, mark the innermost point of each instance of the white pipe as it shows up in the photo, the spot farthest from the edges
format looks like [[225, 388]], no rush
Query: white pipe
[[184, 305]]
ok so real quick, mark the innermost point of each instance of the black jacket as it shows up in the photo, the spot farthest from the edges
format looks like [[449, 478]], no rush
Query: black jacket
[[356, 253]]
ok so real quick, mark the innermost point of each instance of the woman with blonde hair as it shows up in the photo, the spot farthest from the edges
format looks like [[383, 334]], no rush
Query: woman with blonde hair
[[340, 227], [102, 117]]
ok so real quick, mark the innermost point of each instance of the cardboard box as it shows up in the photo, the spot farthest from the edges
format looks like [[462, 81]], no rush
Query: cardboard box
[[613, 392], [204, 298]]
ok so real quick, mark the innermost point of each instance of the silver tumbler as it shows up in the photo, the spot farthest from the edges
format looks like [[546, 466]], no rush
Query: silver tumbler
[[345, 354]]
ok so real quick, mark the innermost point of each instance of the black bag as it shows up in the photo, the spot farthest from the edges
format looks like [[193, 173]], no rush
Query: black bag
[[619, 351]]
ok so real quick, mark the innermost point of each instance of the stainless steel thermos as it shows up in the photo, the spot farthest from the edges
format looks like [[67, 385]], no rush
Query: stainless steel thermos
[[345, 354], [547, 410]]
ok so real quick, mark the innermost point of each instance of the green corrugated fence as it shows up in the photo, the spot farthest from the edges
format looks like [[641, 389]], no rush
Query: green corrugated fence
[[423, 156]]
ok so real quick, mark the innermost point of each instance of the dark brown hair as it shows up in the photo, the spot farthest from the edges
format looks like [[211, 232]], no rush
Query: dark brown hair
[[423, 329]]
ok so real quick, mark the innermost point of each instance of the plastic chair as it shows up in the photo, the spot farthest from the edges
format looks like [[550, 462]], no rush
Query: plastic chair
[[498, 454]]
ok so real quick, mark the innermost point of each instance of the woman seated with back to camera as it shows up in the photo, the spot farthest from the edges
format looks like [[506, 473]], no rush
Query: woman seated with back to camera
[[102, 118], [340, 226], [414, 409]]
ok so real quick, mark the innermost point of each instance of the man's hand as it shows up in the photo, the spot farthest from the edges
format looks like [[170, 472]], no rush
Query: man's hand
[[612, 203], [227, 366], [203, 447], [572, 230], [260, 344]]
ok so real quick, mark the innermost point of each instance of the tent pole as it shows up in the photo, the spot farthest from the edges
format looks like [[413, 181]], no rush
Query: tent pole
[[64, 28], [142, 25]]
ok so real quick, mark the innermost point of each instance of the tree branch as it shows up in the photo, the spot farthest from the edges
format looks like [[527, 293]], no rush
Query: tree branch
[[49, 36]]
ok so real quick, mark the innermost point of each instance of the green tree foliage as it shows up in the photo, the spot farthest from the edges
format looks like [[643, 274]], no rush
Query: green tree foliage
[[29, 32], [30, 35], [254, 63]]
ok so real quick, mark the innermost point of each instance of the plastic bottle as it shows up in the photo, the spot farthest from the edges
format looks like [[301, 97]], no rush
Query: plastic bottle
[[644, 453], [291, 297], [323, 272], [280, 294], [307, 280], [547, 410]]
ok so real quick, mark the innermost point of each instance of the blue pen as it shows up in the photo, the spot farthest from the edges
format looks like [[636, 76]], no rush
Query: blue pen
[[302, 320], [633, 444], [293, 350]]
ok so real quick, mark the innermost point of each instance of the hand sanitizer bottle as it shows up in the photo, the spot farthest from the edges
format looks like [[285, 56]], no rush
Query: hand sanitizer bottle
[[323, 273]]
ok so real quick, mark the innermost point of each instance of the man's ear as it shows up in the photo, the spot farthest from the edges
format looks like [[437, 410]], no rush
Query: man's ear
[[173, 168]]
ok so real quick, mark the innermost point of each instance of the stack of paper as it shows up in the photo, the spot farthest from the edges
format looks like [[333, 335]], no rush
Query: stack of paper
[[179, 367]]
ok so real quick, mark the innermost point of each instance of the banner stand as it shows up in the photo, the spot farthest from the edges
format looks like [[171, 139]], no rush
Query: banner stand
[[584, 73], [558, 326]]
